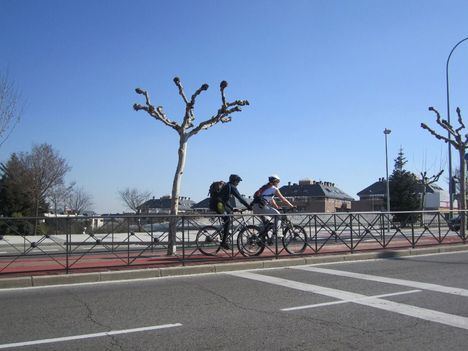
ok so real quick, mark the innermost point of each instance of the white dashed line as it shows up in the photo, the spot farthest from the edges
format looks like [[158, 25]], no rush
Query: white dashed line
[[87, 336]]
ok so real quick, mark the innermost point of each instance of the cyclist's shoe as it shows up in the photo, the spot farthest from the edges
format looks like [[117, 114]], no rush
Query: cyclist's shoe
[[225, 246]]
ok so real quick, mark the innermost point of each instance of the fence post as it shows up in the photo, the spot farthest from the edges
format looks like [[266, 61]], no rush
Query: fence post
[[382, 229], [152, 236], [128, 241], [334, 228], [315, 235], [463, 222], [413, 244], [112, 229], [183, 240], [351, 232], [275, 233], [67, 244]]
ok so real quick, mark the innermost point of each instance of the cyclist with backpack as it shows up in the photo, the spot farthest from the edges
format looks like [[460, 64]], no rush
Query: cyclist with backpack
[[264, 198], [220, 194]]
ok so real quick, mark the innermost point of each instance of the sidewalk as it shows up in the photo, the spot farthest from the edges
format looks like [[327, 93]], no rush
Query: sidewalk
[[129, 273]]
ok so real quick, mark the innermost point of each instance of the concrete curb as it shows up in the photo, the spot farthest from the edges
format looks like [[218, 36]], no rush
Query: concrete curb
[[77, 278]]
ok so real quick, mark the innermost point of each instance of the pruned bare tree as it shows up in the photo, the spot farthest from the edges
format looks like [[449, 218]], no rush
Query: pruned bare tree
[[10, 107], [79, 200], [134, 198], [459, 142], [186, 130]]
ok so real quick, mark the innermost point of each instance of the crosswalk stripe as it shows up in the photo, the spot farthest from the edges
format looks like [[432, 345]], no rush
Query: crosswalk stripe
[[407, 310], [347, 301], [403, 282]]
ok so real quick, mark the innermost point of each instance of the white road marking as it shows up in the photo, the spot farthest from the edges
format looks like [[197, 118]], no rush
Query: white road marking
[[407, 310], [347, 301], [86, 336], [375, 278]]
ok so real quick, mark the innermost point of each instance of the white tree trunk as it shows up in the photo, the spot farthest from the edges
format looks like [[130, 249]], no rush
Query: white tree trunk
[[171, 249]]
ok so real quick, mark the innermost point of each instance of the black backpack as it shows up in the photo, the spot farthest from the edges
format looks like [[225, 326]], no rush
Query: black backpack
[[213, 193]]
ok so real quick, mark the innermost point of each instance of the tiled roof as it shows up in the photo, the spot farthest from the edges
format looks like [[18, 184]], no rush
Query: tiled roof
[[377, 188], [380, 188], [315, 189]]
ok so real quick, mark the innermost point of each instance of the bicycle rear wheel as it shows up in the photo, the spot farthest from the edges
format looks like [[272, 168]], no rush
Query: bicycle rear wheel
[[249, 241], [295, 239], [208, 240]]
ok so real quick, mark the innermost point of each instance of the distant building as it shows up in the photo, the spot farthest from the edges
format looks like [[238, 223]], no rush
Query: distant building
[[312, 196], [373, 198], [163, 205], [94, 221]]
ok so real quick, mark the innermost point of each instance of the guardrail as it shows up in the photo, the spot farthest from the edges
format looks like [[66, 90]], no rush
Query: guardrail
[[65, 244]]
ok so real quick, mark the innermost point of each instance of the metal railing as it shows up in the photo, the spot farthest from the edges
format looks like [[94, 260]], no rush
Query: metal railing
[[112, 242]]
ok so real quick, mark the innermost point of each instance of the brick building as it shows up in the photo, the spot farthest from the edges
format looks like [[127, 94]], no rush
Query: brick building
[[312, 196]]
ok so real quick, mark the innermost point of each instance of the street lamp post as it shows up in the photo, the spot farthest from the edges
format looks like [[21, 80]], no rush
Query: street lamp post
[[386, 132], [451, 188]]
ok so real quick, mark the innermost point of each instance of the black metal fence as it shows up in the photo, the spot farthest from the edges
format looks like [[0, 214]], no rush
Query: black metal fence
[[49, 244]]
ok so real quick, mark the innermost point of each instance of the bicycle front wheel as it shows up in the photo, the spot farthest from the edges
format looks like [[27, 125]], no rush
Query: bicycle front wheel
[[249, 241], [208, 240], [295, 239]]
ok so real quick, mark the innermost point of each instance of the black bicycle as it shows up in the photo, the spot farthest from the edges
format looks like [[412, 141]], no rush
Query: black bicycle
[[208, 239], [253, 239]]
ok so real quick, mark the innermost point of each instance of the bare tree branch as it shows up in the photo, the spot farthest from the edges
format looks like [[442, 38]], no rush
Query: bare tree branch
[[79, 201], [10, 109], [440, 137], [134, 198], [442, 122], [181, 89], [223, 85], [460, 121], [223, 114], [156, 113]]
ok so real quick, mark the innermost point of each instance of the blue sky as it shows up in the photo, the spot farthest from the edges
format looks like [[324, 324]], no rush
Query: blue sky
[[324, 79]]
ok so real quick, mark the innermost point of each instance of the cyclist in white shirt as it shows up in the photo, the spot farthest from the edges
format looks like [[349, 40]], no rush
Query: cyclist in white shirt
[[264, 198]]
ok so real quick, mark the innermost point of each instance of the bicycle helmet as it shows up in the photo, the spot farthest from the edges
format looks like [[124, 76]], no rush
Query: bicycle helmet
[[234, 178], [273, 178]]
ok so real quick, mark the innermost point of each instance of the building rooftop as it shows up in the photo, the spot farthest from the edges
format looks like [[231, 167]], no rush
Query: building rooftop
[[310, 188]]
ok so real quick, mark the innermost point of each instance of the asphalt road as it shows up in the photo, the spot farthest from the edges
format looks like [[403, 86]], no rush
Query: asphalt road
[[417, 303]]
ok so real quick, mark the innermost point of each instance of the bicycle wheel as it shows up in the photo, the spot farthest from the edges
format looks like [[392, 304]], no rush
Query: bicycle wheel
[[208, 240], [295, 239], [249, 241]]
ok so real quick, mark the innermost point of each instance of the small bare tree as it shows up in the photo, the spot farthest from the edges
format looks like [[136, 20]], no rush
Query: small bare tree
[[134, 198], [186, 130], [426, 181], [10, 109], [79, 201], [459, 142], [45, 169], [58, 195]]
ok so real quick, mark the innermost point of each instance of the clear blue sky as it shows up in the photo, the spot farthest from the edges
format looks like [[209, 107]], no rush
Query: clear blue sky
[[324, 79]]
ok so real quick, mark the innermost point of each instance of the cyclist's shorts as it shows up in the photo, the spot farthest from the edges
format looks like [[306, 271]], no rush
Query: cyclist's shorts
[[220, 207]]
